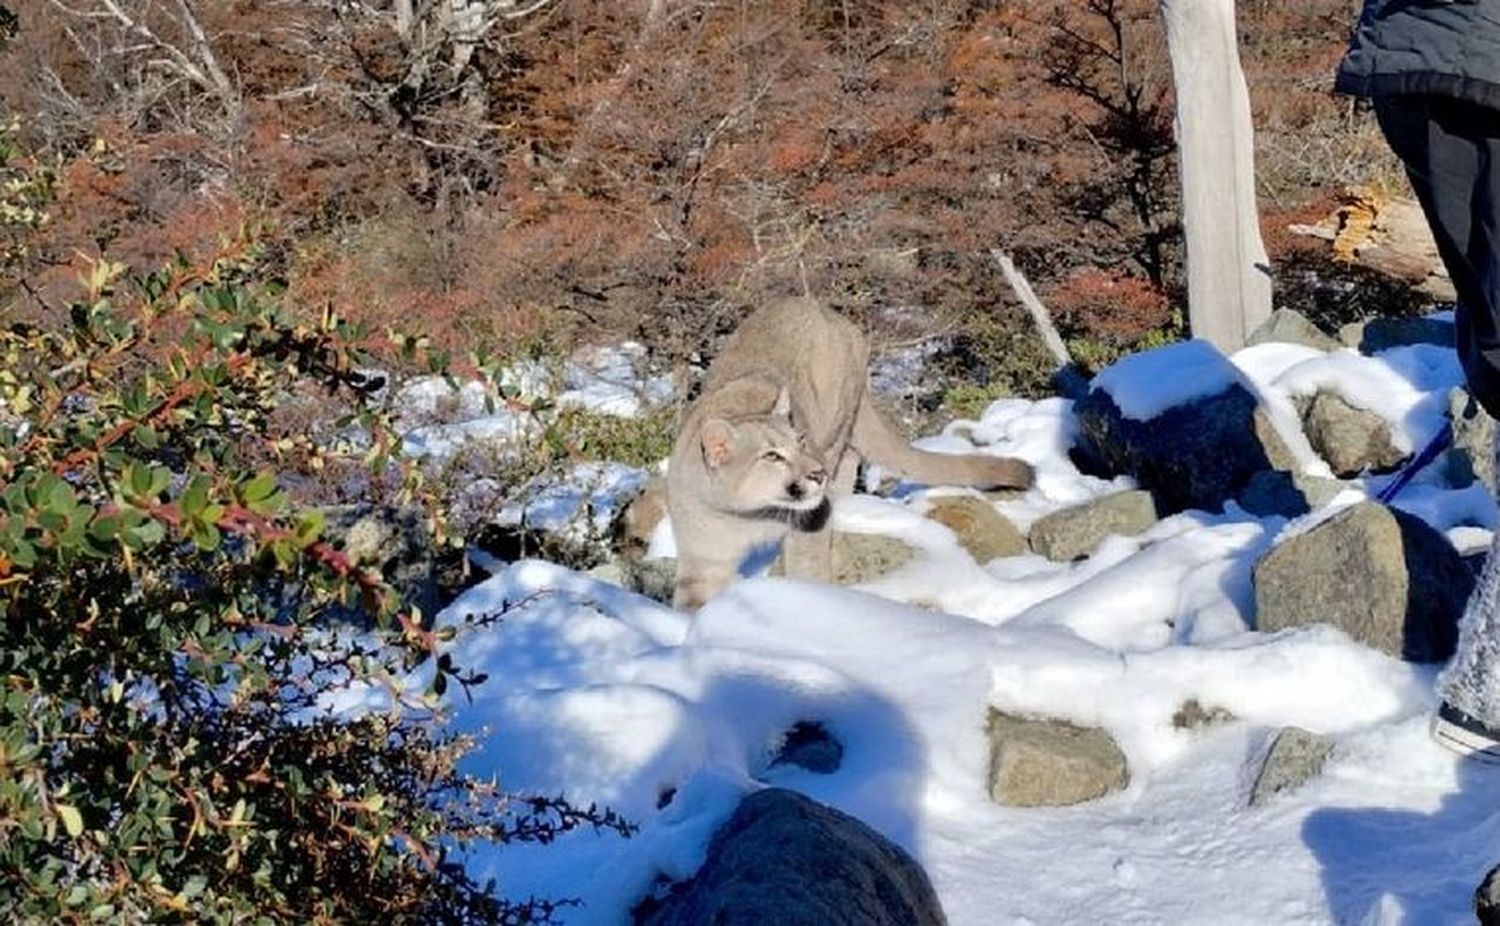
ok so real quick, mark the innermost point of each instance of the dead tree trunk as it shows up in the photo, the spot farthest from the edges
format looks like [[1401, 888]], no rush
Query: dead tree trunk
[[1229, 281]]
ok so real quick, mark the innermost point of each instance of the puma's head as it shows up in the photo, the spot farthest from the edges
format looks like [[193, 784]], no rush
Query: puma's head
[[761, 466]]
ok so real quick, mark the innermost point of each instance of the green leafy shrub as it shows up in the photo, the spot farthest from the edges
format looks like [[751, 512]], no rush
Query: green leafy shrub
[[172, 626], [966, 400]]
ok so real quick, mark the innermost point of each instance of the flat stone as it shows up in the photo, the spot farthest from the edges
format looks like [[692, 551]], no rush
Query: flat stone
[[1036, 762], [862, 557], [982, 531], [1071, 533], [1295, 757]]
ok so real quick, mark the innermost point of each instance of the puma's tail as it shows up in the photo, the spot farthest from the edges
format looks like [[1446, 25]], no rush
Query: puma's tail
[[878, 441]]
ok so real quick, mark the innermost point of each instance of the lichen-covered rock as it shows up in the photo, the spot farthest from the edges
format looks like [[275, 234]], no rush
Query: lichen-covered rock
[[1381, 575], [1351, 440], [1074, 532], [862, 557], [1038, 762], [1295, 757], [785, 859], [982, 531]]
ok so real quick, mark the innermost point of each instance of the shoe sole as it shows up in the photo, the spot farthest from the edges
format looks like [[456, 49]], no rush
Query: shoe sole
[[1468, 743]]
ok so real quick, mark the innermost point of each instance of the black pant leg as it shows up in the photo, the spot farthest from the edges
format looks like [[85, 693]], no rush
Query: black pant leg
[[1451, 152]]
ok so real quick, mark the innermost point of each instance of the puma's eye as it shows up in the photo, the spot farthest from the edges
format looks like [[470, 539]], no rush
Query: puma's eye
[[773, 456]]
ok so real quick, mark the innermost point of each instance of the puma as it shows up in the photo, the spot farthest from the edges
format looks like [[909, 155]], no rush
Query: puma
[[783, 421]]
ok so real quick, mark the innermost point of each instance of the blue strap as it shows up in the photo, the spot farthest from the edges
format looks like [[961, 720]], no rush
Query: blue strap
[[1437, 445]]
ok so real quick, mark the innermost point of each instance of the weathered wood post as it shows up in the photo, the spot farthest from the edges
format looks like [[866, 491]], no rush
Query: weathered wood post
[[1229, 281]]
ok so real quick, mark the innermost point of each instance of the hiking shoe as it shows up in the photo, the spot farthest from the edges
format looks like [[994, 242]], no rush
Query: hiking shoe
[[1466, 735]]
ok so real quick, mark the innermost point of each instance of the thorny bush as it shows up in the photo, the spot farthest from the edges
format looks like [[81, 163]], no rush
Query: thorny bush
[[173, 631]]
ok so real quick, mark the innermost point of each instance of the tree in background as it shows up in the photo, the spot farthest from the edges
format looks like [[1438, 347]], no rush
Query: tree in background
[[1229, 275]]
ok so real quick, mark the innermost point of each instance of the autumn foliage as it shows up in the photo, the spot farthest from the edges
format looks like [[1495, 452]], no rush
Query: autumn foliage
[[653, 168]]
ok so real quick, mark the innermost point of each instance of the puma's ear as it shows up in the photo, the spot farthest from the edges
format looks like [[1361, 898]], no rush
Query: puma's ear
[[717, 438], [783, 406]]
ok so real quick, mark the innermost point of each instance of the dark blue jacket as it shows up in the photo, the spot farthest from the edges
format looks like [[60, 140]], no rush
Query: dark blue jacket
[[1444, 47]]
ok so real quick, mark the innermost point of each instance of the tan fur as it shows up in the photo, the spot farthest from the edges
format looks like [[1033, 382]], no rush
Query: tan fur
[[786, 406]]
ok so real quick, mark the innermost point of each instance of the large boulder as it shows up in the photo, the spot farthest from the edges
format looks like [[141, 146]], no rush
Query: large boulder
[[1351, 440], [1042, 762], [785, 859], [1295, 757], [982, 531], [1181, 421], [1066, 535], [1381, 575]]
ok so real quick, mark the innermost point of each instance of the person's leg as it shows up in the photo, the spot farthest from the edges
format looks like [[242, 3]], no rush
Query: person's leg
[[1451, 152], [1468, 720], [1448, 149]]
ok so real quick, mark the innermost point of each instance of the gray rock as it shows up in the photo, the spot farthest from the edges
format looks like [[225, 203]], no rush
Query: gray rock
[[1195, 455], [1381, 575], [1295, 757], [1352, 440], [1471, 458], [1383, 333], [1071, 533], [1038, 762], [653, 578], [1288, 326], [394, 542], [1289, 494], [982, 531], [1487, 899], [861, 557], [785, 859]]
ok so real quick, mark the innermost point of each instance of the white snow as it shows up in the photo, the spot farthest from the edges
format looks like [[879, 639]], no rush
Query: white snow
[[440, 415], [616, 380], [1146, 384], [611, 698]]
